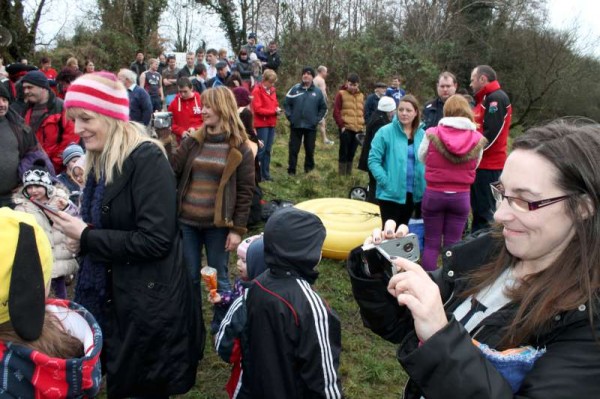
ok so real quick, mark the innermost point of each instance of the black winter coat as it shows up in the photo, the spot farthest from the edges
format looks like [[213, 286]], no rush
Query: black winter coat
[[378, 120], [433, 112], [304, 106], [449, 365], [153, 330]]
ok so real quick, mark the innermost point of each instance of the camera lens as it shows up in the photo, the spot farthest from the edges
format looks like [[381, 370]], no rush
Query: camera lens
[[408, 247]]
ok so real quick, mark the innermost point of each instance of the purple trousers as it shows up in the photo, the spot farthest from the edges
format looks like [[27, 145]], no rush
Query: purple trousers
[[444, 215]]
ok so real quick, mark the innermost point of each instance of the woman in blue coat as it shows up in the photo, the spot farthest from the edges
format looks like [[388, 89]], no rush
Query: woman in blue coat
[[393, 162]]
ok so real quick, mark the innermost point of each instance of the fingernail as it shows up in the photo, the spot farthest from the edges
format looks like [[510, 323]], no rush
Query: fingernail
[[390, 231], [393, 257]]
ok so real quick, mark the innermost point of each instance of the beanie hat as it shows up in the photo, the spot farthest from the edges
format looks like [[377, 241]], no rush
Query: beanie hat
[[73, 150], [36, 78], [252, 35], [4, 92], [242, 96], [99, 92], [253, 57], [25, 271], [386, 104], [245, 244], [38, 175], [309, 70]]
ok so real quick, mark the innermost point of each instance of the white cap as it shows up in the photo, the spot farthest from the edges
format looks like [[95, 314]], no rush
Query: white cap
[[386, 104]]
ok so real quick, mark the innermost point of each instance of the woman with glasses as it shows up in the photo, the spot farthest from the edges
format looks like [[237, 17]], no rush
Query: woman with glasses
[[514, 312]]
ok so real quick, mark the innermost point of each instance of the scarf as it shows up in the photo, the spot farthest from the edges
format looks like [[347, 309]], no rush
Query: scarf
[[91, 280]]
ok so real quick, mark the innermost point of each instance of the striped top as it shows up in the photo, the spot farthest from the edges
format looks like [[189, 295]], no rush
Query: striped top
[[198, 203]]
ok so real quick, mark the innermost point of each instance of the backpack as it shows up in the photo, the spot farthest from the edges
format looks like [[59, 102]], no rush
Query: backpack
[[272, 206]]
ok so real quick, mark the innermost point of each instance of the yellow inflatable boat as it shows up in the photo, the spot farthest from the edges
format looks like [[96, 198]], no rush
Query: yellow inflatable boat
[[348, 222]]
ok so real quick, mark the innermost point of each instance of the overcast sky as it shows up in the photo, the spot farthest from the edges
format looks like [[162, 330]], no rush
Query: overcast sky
[[563, 14]]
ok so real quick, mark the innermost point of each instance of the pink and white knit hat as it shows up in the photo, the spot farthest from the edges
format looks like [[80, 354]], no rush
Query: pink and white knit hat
[[99, 92]]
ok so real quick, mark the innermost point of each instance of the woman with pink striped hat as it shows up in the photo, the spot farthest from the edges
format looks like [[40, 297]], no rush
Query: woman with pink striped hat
[[133, 277]]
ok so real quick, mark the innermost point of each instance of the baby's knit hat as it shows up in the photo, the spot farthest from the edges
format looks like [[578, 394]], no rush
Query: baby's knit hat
[[99, 92], [73, 150], [243, 247], [38, 175]]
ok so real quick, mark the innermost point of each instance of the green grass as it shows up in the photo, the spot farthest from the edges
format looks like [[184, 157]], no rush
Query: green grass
[[368, 365]]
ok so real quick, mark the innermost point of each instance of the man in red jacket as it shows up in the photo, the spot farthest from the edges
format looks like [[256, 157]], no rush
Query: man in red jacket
[[186, 108], [493, 114], [45, 115]]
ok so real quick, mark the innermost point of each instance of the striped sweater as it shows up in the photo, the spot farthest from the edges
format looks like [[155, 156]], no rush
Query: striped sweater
[[198, 204]]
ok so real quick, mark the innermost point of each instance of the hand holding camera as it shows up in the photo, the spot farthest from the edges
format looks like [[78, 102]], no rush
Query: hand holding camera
[[408, 282], [382, 248]]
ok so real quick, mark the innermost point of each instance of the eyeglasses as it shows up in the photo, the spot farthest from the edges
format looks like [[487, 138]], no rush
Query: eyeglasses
[[520, 204]]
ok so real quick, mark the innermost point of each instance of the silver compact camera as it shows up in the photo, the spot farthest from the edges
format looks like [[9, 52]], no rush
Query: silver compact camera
[[162, 120], [377, 259]]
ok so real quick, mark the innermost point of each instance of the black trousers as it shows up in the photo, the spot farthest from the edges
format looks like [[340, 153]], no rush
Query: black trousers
[[348, 145], [483, 204], [372, 189], [296, 137], [400, 213]]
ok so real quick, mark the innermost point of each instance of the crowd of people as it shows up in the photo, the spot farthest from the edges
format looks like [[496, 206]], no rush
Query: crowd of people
[[101, 205]]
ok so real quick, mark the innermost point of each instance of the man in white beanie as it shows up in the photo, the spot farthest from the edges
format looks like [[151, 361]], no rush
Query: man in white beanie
[[384, 114]]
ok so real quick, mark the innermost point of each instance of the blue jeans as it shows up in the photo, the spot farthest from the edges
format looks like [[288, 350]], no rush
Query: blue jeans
[[267, 136], [213, 240]]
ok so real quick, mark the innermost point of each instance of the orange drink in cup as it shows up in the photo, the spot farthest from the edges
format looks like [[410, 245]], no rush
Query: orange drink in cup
[[209, 275]]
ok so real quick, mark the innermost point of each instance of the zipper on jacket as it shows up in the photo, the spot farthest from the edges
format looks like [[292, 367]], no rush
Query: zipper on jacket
[[477, 332]]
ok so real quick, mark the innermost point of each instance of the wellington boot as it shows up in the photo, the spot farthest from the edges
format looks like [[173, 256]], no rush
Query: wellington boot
[[348, 168]]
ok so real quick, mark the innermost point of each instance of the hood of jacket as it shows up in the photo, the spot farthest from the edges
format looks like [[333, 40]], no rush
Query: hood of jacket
[[293, 242], [457, 135], [33, 374], [255, 259]]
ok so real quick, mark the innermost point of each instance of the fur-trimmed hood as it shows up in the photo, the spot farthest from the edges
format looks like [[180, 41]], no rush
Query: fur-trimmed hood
[[457, 139]]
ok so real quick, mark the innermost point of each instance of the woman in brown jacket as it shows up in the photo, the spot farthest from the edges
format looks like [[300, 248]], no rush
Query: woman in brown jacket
[[215, 173]]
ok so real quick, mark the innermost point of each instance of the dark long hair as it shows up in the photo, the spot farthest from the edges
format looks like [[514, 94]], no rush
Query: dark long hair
[[574, 277]]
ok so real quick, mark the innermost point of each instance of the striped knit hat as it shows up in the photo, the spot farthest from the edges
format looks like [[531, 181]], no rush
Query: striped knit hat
[[99, 92]]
